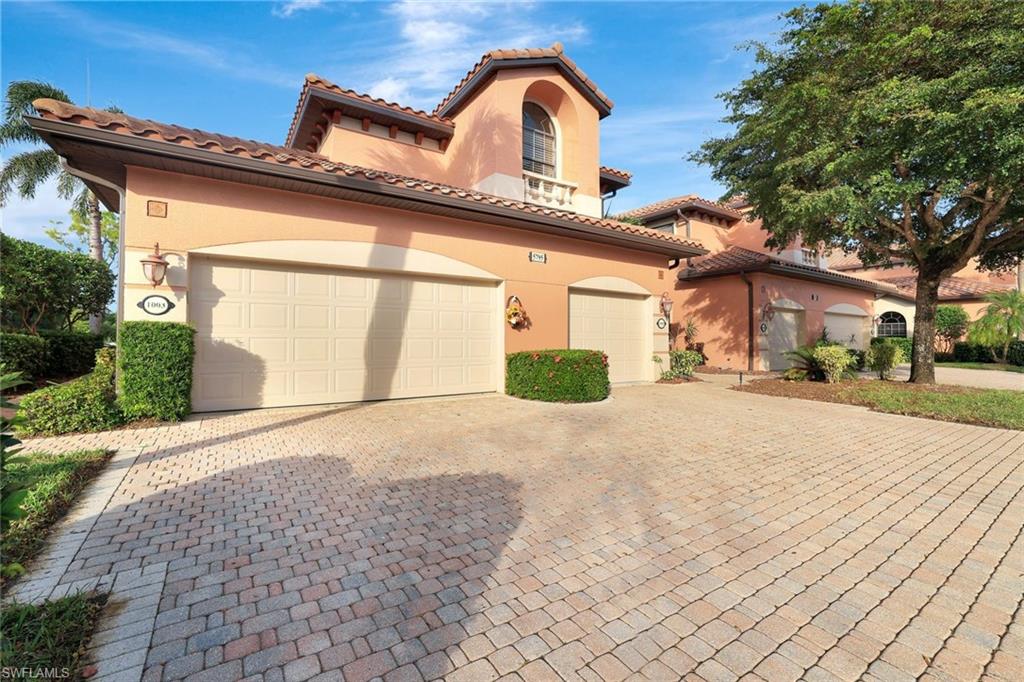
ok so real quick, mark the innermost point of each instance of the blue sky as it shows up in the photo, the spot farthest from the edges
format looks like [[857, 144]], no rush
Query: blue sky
[[237, 67]]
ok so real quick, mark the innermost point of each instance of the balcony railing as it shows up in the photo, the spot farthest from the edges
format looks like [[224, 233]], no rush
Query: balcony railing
[[546, 191]]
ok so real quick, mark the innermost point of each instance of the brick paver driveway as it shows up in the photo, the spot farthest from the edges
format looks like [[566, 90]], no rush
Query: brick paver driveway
[[672, 531]]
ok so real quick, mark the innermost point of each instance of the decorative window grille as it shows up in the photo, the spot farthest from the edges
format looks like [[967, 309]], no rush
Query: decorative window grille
[[892, 324]]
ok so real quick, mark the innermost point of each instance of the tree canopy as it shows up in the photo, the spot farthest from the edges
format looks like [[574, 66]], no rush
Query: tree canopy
[[41, 287], [892, 128]]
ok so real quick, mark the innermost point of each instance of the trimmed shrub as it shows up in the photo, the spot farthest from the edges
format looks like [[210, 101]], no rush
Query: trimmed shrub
[[883, 357], [857, 358], [22, 353], [155, 374], [833, 361], [906, 344], [570, 376], [683, 362], [85, 404], [70, 353], [972, 352], [1015, 356]]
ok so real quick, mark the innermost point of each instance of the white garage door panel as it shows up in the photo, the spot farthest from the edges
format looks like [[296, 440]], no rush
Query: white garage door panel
[[272, 335], [611, 323], [783, 336], [849, 330]]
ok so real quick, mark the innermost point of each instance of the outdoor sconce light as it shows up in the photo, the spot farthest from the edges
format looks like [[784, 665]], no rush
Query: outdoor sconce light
[[666, 305], [154, 267]]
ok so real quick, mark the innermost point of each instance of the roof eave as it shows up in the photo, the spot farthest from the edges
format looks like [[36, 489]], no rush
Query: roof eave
[[787, 271], [726, 213], [52, 130], [487, 70]]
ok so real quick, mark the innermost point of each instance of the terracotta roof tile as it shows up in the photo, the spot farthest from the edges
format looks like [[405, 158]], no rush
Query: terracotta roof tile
[[555, 51], [850, 261], [193, 138], [736, 258], [625, 175], [677, 202], [951, 288], [314, 81]]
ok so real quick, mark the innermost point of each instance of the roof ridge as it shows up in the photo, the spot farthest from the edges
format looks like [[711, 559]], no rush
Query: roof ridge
[[315, 79]]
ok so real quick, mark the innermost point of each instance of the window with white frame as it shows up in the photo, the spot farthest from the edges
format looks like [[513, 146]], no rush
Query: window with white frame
[[892, 324], [539, 141]]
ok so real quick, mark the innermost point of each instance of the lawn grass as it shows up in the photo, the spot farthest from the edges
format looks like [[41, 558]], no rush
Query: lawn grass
[[53, 634], [985, 407], [54, 483], [982, 365]]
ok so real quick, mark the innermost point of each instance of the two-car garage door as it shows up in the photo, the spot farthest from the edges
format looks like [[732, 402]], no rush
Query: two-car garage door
[[271, 335]]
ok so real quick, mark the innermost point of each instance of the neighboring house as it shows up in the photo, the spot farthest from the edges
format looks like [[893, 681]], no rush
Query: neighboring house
[[373, 255], [895, 313], [752, 306]]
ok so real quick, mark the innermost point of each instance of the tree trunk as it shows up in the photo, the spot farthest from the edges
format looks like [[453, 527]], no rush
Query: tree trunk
[[95, 251], [922, 367]]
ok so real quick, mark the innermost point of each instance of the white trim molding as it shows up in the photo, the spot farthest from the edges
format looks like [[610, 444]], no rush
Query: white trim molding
[[786, 304], [847, 309]]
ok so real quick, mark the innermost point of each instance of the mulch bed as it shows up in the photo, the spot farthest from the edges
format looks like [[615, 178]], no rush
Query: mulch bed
[[830, 393], [707, 369]]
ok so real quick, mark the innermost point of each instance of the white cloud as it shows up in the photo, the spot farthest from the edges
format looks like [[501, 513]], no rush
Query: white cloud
[[26, 218], [440, 41], [287, 9], [117, 35]]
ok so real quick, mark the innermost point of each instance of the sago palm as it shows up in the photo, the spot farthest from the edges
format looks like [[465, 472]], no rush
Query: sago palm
[[25, 171]]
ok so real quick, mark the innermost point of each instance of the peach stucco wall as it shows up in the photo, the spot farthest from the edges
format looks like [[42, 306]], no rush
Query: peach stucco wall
[[205, 213], [488, 136], [718, 306]]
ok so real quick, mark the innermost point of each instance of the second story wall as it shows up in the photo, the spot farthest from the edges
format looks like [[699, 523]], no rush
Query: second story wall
[[486, 151]]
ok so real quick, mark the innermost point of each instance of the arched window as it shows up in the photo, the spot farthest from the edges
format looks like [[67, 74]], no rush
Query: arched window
[[892, 323], [539, 141]]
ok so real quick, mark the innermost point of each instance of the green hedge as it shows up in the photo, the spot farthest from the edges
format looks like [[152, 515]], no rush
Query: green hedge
[[972, 352], [905, 344], [70, 353], [570, 376], [52, 354], [156, 369], [1016, 354], [85, 404], [23, 353]]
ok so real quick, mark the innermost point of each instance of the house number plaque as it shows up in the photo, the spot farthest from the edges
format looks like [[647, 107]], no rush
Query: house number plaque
[[155, 304], [538, 257]]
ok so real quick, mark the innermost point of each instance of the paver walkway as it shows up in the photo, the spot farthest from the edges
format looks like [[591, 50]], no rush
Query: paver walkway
[[672, 531]]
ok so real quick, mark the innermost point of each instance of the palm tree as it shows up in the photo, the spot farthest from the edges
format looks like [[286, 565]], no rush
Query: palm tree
[[25, 171], [1001, 322]]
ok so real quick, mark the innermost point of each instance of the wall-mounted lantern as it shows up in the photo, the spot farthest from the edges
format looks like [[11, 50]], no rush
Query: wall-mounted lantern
[[154, 267], [666, 305]]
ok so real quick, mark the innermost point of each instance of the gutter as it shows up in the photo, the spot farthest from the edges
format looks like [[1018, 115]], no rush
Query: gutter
[[340, 181], [750, 319], [122, 213]]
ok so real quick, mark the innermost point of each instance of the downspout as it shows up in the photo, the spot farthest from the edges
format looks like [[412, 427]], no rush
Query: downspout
[[120, 240], [750, 320], [607, 197]]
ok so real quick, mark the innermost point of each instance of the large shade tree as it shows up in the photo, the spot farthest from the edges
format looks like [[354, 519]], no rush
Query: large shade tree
[[889, 128], [25, 171]]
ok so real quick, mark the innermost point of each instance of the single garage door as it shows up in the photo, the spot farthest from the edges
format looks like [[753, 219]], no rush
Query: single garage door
[[271, 335], [613, 323], [849, 330], [783, 336]]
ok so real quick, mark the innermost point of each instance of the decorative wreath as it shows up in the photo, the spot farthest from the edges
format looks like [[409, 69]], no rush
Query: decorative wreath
[[515, 314]]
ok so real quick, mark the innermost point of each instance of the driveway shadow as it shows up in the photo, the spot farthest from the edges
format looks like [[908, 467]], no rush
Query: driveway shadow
[[300, 558]]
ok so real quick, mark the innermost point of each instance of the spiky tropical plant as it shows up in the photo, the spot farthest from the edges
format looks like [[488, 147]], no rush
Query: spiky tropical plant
[[25, 171]]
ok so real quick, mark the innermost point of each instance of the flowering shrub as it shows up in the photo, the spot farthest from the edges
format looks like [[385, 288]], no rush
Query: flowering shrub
[[569, 375]]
